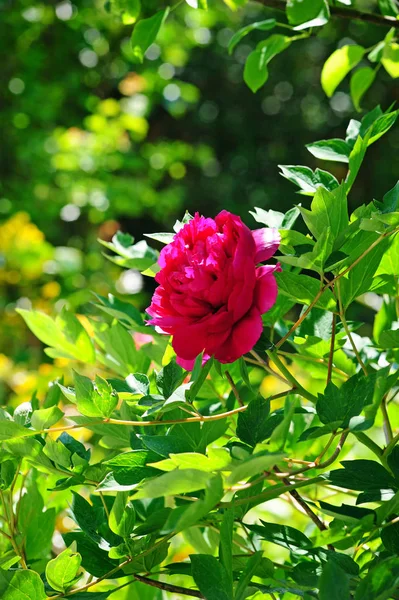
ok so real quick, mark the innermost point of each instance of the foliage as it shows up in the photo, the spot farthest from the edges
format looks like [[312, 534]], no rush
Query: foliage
[[121, 474], [171, 454]]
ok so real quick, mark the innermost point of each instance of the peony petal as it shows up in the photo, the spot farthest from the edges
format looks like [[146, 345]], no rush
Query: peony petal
[[242, 339], [188, 365], [267, 241], [266, 287]]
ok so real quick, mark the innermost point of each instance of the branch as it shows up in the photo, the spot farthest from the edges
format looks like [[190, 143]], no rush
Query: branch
[[166, 587], [343, 13]]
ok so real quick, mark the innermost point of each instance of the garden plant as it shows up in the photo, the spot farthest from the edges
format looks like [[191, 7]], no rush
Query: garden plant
[[237, 436]]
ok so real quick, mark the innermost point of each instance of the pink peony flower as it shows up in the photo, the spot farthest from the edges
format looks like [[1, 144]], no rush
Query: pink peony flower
[[211, 295]]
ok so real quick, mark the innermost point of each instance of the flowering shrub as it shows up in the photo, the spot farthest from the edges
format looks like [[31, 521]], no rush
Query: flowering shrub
[[183, 479]]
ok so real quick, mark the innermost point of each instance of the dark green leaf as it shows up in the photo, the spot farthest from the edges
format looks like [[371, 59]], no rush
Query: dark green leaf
[[210, 577], [252, 426]]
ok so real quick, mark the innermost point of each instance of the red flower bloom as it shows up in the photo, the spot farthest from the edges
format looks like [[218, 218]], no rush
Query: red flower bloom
[[211, 295]]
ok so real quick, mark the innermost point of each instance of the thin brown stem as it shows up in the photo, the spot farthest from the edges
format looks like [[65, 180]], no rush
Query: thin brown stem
[[167, 587], [347, 331], [331, 283], [262, 363], [343, 13]]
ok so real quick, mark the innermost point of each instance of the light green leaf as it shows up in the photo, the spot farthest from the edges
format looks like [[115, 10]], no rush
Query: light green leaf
[[10, 430], [390, 59], [61, 571], [122, 517], [46, 417], [360, 82], [65, 334], [262, 461], [338, 65], [21, 585], [174, 482], [145, 33]]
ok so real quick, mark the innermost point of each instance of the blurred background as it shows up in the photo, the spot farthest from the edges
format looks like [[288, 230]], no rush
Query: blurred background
[[93, 143]]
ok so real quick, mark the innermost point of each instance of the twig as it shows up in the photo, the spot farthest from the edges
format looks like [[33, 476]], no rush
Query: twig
[[262, 363], [343, 13], [331, 283], [298, 387], [166, 587], [347, 330]]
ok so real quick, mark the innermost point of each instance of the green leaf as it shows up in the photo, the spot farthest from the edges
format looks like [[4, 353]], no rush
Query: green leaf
[[328, 210], [362, 475], [303, 289], [390, 59], [131, 467], [21, 585], [65, 333], [255, 71], [10, 430], [341, 404], [211, 577], [360, 82], [226, 545], [252, 426], [255, 464], [251, 567], [282, 535], [94, 559], [380, 582], [334, 583], [389, 339], [122, 517], [388, 8], [335, 150], [169, 378], [307, 180], [46, 417], [61, 571], [338, 65], [123, 311], [307, 13], [174, 482], [390, 538], [257, 26], [138, 383], [96, 399], [145, 33]]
